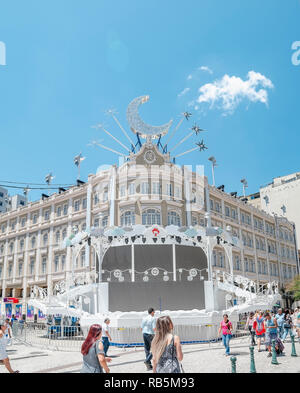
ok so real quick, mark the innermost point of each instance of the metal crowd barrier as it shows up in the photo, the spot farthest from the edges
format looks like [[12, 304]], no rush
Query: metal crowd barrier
[[70, 338]]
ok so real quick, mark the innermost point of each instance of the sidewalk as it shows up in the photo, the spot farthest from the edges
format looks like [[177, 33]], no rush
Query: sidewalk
[[198, 358]]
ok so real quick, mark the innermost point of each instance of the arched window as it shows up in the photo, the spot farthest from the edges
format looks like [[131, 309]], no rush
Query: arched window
[[128, 219], [173, 218], [57, 236], [151, 217]]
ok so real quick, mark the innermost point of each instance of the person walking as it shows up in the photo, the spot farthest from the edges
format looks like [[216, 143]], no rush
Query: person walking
[[259, 328], [8, 334], [148, 330], [3, 354], [271, 331], [106, 338], [166, 348], [226, 328], [249, 326], [94, 360], [280, 321], [296, 322], [287, 325]]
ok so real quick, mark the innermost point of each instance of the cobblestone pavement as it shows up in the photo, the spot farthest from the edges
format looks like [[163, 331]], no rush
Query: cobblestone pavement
[[199, 358]]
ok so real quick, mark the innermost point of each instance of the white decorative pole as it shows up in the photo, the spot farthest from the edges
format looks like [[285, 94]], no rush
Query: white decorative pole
[[174, 261], [132, 264]]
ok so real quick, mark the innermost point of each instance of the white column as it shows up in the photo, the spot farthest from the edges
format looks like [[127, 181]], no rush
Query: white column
[[112, 197], [132, 264], [25, 271], [88, 222], [38, 256], [174, 261], [50, 262], [187, 195]]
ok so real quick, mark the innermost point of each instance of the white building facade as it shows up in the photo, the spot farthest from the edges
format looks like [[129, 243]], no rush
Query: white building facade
[[147, 189]]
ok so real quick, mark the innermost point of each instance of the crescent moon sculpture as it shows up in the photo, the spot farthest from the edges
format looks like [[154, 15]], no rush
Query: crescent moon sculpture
[[138, 126]]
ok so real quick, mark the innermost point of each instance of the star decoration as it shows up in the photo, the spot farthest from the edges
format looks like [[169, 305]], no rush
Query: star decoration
[[201, 145], [187, 115], [197, 129]]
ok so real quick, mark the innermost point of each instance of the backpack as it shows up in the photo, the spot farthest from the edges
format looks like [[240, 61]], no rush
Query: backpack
[[260, 325]]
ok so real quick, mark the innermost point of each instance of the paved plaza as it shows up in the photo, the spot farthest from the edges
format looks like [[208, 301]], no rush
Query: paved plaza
[[199, 358]]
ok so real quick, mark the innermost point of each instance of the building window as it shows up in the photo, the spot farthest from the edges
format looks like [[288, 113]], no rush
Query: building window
[[33, 242], [122, 191], [214, 258], [0, 271], [221, 260], [84, 203], [56, 263], [23, 222], [128, 219], [96, 222], [57, 237], [156, 188], [44, 265], [45, 239], [31, 266], [10, 268], [11, 247], [65, 209], [105, 196], [77, 205], [82, 258], [96, 199], [21, 244], [58, 211], [151, 217], [63, 262], [64, 234], [237, 262], [169, 189], [173, 218], [194, 221], [145, 188], [47, 215], [227, 211], [20, 270], [105, 221], [131, 189]]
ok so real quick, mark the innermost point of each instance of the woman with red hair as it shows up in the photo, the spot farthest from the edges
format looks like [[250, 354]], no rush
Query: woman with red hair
[[94, 360]]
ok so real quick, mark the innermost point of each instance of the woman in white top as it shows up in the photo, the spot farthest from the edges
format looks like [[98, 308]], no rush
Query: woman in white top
[[3, 354]]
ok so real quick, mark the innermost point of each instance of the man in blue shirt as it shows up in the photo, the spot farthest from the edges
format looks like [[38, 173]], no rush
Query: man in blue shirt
[[148, 329], [280, 321]]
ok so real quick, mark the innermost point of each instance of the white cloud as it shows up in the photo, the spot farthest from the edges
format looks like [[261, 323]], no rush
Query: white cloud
[[184, 91], [205, 68], [229, 91]]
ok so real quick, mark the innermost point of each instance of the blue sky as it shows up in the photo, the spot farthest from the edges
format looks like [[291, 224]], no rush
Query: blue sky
[[69, 61]]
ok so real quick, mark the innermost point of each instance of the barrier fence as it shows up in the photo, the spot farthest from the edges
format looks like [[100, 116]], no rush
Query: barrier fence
[[70, 338]]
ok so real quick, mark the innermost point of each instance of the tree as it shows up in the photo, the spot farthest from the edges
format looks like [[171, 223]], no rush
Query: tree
[[294, 287]]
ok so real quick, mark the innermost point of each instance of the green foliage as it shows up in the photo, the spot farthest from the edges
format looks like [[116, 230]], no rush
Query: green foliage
[[294, 287]]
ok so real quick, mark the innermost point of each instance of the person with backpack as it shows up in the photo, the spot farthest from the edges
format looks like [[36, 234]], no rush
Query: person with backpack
[[166, 348], [259, 328], [226, 329], [287, 325]]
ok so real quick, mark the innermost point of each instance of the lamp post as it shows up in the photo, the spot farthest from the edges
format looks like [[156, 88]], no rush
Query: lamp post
[[214, 163], [245, 185]]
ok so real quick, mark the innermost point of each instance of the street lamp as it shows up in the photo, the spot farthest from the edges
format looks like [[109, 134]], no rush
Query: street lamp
[[245, 185], [214, 163]]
